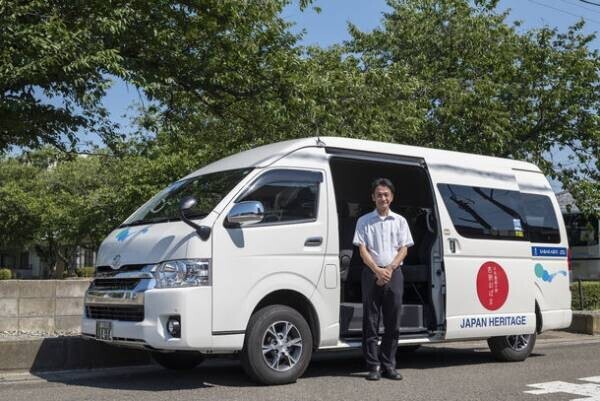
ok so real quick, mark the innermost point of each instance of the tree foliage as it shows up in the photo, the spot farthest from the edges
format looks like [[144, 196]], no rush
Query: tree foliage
[[53, 70], [225, 75], [60, 204], [484, 87], [58, 58]]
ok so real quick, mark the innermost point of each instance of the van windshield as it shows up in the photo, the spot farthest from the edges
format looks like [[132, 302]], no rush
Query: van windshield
[[208, 190]]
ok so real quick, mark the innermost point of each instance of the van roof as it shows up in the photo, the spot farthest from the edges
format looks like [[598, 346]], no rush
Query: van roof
[[263, 156]]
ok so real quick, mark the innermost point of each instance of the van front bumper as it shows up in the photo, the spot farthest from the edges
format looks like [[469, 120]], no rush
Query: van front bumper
[[192, 305]]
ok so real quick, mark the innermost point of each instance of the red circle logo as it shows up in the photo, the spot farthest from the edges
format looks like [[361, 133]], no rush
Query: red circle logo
[[492, 285]]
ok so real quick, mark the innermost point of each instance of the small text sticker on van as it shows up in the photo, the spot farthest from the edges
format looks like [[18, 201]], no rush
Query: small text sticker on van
[[549, 251], [518, 228], [492, 285]]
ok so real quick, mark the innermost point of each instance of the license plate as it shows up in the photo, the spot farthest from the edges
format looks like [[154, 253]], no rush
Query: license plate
[[104, 330]]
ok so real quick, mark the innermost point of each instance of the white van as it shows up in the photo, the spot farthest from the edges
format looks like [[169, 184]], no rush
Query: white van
[[253, 254]]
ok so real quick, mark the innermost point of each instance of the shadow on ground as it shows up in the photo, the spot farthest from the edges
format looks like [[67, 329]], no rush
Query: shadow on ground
[[228, 372]]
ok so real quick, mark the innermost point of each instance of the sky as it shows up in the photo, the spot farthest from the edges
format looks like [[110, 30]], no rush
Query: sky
[[330, 26]]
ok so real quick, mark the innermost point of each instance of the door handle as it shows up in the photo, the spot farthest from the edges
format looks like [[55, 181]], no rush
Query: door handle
[[313, 241], [453, 242]]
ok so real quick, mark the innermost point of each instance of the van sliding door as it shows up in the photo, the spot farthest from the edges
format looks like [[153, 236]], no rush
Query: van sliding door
[[487, 259]]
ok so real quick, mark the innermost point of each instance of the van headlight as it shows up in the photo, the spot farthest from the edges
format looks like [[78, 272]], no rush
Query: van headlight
[[182, 273]]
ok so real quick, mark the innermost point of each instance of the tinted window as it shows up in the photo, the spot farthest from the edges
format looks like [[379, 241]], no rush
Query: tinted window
[[540, 219], [581, 230], [287, 195], [484, 212]]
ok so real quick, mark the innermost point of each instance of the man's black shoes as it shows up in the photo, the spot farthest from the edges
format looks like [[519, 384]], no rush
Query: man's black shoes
[[392, 374], [374, 374]]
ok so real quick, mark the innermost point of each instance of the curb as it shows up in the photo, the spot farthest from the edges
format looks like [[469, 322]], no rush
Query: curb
[[65, 353], [586, 322]]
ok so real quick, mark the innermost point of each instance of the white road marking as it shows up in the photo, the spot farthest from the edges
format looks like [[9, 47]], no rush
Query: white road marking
[[590, 390]]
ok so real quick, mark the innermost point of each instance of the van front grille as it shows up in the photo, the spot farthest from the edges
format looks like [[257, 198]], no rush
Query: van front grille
[[114, 284], [107, 271], [133, 313]]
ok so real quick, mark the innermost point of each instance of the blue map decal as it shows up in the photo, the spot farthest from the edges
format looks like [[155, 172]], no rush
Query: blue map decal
[[545, 275], [123, 235]]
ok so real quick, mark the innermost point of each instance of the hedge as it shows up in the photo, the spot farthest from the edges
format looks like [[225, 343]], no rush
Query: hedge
[[591, 295], [5, 274], [87, 271]]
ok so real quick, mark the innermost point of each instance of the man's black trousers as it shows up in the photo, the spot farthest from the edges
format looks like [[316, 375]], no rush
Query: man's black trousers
[[386, 299]]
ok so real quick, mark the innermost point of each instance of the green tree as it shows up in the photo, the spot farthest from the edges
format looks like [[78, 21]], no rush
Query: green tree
[[487, 88], [58, 57], [62, 204], [53, 70]]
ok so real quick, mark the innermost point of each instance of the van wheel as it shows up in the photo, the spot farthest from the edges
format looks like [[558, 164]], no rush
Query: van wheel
[[278, 345], [512, 348], [178, 360]]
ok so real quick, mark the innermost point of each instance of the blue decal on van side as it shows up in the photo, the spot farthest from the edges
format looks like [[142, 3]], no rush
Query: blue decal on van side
[[545, 275], [548, 251]]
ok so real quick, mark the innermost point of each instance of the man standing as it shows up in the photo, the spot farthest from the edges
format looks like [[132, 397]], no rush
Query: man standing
[[383, 238]]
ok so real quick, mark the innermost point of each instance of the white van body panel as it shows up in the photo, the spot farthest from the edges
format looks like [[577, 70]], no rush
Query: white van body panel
[[553, 294], [466, 314], [257, 261], [262, 156], [153, 243]]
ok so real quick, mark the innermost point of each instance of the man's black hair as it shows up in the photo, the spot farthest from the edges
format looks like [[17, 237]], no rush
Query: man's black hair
[[384, 182]]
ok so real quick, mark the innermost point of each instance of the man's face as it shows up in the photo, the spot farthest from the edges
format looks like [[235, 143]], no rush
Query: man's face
[[383, 197]]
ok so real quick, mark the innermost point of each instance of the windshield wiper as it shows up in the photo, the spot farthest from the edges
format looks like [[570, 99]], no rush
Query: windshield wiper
[[197, 215], [140, 222], [150, 221]]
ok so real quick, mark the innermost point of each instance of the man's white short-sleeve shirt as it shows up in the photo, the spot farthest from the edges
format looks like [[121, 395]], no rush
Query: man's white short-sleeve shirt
[[382, 235]]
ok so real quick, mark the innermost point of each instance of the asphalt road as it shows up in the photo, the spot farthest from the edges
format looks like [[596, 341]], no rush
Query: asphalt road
[[431, 373]]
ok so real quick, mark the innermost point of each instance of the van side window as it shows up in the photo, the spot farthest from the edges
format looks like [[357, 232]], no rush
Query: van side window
[[542, 225], [484, 213], [287, 195]]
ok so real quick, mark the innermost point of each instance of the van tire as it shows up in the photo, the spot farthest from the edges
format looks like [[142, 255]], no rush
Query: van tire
[[276, 366], [512, 348], [178, 360]]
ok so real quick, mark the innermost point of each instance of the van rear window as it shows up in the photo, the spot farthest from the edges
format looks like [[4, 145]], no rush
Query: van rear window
[[485, 213], [542, 225]]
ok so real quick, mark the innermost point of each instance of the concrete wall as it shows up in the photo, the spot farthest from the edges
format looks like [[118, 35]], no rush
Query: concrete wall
[[41, 305], [586, 322]]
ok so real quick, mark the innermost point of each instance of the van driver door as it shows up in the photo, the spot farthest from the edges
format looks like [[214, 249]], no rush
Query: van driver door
[[286, 250]]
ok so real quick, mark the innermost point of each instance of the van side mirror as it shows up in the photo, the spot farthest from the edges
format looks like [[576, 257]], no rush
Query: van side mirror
[[247, 212], [188, 203]]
